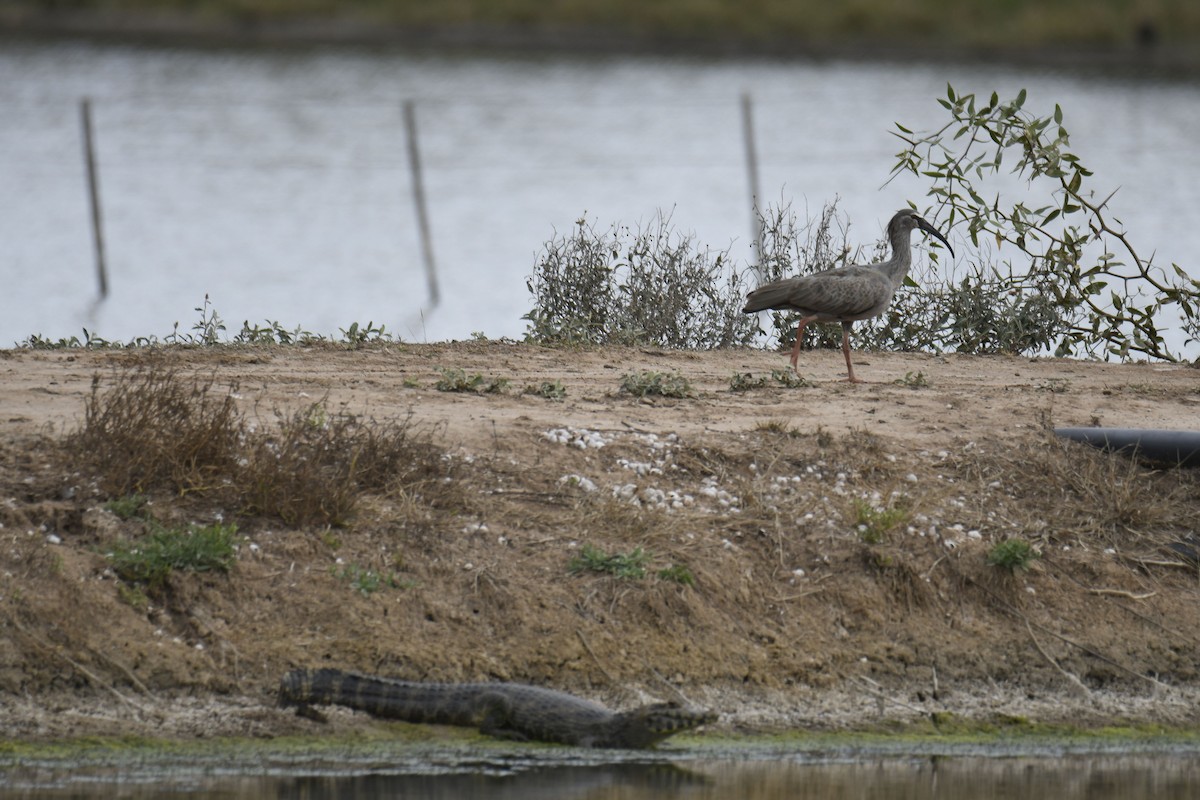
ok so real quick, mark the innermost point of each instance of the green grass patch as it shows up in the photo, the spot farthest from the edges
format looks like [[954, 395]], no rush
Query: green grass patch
[[368, 581], [631, 565], [151, 559], [677, 573], [127, 507], [1012, 554]]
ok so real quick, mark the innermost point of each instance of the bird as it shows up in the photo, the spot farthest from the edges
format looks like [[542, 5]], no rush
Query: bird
[[845, 294]]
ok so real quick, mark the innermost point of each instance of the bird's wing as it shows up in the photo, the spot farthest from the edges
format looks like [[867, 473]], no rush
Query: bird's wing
[[837, 293]]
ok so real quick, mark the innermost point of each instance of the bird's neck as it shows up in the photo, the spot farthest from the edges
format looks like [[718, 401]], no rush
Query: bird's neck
[[898, 265]]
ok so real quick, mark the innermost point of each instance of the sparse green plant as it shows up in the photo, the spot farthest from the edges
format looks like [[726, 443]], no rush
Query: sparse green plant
[[90, 340], [356, 336], [745, 381], [457, 380], [677, 573], [207, 329], [643, 384], [789, 379], [133, 596], [129, 506], [873, 524], [274, 333], [631, 565], [550, 390], [150, 559], [367, 581], [1012, 554], [914, 380]]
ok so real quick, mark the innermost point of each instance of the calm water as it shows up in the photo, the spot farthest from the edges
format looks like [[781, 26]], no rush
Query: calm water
[[278, 184], [747, 776]]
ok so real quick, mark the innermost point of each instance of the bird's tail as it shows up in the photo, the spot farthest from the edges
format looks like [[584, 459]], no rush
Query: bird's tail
[[771, 295]]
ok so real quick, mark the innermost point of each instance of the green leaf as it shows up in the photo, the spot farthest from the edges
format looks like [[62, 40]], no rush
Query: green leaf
[[1020, 99], [1057, 114]]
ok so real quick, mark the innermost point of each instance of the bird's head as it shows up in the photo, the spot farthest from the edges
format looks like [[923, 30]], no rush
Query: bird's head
[[906, 220]]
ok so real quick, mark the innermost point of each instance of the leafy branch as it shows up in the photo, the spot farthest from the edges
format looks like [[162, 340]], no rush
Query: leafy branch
[[1114, 301]]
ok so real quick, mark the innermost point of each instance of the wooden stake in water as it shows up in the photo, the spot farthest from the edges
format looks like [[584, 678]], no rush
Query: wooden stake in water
[[89, 155], [756, 222], [414, 162]]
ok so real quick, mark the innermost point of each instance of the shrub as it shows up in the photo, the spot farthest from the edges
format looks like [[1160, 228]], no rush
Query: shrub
[[651, 285], [874, 524], [1086, 288], [153, 429], [1012, 554]]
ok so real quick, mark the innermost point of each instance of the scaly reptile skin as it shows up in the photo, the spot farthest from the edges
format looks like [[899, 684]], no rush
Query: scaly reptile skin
[[508, 710]]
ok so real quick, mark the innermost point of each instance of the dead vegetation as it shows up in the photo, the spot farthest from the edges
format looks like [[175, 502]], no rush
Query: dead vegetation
[[774, 558], [155, 429]]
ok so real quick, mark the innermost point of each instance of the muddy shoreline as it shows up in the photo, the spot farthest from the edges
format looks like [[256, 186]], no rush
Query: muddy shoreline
[[796, 616]]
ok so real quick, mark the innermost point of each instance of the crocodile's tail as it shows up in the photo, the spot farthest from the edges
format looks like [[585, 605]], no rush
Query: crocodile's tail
[[382, 697], [301, 688]]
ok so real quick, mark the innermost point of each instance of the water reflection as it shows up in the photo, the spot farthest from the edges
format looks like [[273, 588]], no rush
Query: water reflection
[[277, 183], [1096, 777]]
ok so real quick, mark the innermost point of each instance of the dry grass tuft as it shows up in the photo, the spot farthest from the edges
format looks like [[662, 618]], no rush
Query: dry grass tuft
[[154, 429], [1070, 493], [312, 469]]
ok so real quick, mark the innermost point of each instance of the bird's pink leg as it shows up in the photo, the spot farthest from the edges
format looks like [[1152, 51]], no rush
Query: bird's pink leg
[[796, 347], [846, 352]]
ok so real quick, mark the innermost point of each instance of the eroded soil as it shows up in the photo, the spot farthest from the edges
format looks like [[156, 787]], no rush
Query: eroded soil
[[810, 605]]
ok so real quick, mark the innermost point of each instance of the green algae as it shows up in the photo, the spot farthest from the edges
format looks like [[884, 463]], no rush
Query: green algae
[[401, 745]]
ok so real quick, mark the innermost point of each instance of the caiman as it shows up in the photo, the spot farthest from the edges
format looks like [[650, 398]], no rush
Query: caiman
[[506, 710]]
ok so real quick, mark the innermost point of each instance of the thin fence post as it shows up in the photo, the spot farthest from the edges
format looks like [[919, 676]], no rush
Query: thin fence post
[[414, 162], [756, 222], [89, 155]]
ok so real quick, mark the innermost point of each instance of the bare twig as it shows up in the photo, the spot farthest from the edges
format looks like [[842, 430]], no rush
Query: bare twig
[[873, 688], [1071, 677], [1123, 593], [583, 640], [670, 686], [1100, 656]]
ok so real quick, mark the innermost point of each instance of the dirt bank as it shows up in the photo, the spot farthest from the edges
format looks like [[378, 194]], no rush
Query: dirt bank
[[816, 556]]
